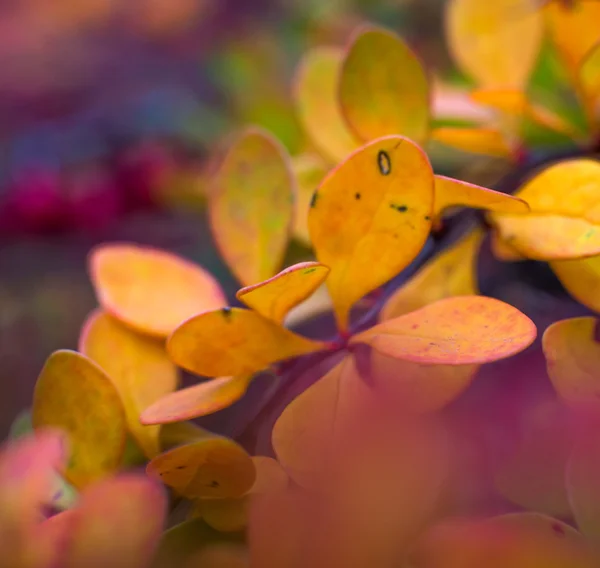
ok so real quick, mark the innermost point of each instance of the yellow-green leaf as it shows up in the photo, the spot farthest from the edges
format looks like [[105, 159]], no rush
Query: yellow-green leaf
[[212, 467], [151, 290], [275, 297], [376, 204], [137, 365], [496, 43], [74, 394], [557, 227], [589, 74], [454, 331], [202, 399], [451, 273], [251, 206], [383, 87], [234, 341], [316, 93]]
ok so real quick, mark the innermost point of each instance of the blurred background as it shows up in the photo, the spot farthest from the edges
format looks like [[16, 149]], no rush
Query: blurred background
[[110, 111]]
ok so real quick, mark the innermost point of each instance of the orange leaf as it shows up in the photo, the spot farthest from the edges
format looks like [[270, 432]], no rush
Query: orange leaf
[[270, 476], [376, 204], [518, 540], [451, 273], [487, 141], [583, 471], [199, 400], [309, 171], [137, 365], [454, 331], [514, 103], [557, 228], [573, 359], [497, 43], [581, 278], [574, 30], [383, 87], [451, 192], [74, 394], [275, 297], [251, 206], [316, 95], [234, 341], [532, 474], [117, 523], [211, 467], [502, 250], [151, 290], [416, 387]]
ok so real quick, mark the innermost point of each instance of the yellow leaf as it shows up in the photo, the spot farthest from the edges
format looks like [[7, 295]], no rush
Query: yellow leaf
[[74, 394], [532, 473], [309, 171], [574, 29], [557, 227], [270, 476], [150, 290], [582, 475], [454, 331], [137, 365], [573, 360], [275, 297], [451, 273], [234, 341], [202, 399], [386, 190], [581, 278], [502, 250], [251, 206], [487, 141], [117, 523], [515, 540], [450, 192], [180, 433], [416, 387], [589, 77], [316, 94], [383, 87], [497, 43], [212, 467]]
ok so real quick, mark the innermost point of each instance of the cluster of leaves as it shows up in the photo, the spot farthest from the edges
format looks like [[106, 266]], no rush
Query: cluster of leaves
[[365, 456]]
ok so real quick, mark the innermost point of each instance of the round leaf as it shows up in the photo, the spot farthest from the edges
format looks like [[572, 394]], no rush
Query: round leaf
[[251, 206], [557, 228], [212, 467], [497, 43], [117, 523], [376, 204], [573, 359], [202, 399], [454, 331], [151, 290], [234, 341], [581, 278], [316, 93], [518, 540], [74, 394], [275, 297], [137, 365], [451, 273], [383, 87]]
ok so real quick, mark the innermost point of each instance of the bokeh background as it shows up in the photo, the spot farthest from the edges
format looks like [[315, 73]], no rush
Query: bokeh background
[[110, 114]]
